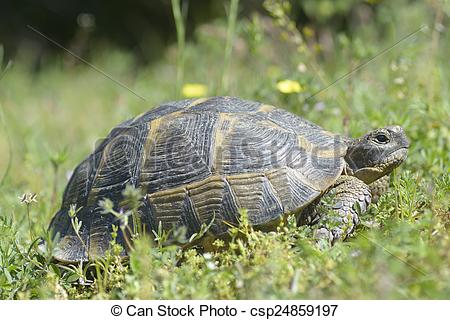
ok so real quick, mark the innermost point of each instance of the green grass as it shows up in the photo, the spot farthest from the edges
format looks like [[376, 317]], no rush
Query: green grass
[[51, 121]]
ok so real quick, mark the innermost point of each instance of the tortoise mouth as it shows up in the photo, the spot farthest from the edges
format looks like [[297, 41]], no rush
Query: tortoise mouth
[[373, 172], [393, 160]]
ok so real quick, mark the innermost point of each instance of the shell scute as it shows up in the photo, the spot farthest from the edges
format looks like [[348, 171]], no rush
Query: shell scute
[[200, 161]]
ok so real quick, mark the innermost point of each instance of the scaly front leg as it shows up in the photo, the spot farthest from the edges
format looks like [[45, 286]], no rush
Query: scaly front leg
[[341, 208], [379, 187]]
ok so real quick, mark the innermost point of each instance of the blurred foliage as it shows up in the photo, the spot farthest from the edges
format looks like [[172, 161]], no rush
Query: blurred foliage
[[146, 28], [55, 117], [325, 10]]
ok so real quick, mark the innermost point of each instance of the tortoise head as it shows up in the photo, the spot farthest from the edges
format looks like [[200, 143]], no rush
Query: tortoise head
[[377, 153]]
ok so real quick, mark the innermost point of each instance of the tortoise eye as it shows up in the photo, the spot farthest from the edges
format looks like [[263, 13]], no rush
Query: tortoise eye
[[381, 138]]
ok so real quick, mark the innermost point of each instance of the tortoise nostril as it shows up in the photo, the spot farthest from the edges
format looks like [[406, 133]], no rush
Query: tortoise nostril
[[405, 142]]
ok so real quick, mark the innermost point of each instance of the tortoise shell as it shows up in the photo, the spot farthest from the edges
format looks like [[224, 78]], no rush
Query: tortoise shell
[[199, 162]]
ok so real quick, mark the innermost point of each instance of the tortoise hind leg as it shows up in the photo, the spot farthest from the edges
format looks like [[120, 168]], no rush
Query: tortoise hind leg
[[344, 198], [71, 246]]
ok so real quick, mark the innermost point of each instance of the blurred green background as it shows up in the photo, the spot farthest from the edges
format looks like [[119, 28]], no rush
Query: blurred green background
[[53, 109]]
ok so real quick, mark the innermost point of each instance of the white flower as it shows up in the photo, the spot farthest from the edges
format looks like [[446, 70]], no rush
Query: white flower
[[27, 198]]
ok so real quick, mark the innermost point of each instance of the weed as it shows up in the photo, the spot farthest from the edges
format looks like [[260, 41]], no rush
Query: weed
[[400, 249]]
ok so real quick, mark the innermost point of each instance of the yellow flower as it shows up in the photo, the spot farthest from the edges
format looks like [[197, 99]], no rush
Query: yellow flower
[[194, 90], [308, 32], [289, 86]]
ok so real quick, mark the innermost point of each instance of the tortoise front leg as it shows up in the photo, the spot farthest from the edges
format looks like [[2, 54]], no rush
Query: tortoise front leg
[[341, 214], [379, 187]]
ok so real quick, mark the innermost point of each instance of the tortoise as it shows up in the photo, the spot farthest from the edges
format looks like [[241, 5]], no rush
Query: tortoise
[[201, 161]]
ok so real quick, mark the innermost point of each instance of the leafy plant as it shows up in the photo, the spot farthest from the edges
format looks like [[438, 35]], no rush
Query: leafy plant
[[400, 249]]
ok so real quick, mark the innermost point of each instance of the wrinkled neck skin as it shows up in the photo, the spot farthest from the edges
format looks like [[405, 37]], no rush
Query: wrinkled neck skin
[[355, 157], [367, 175]]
